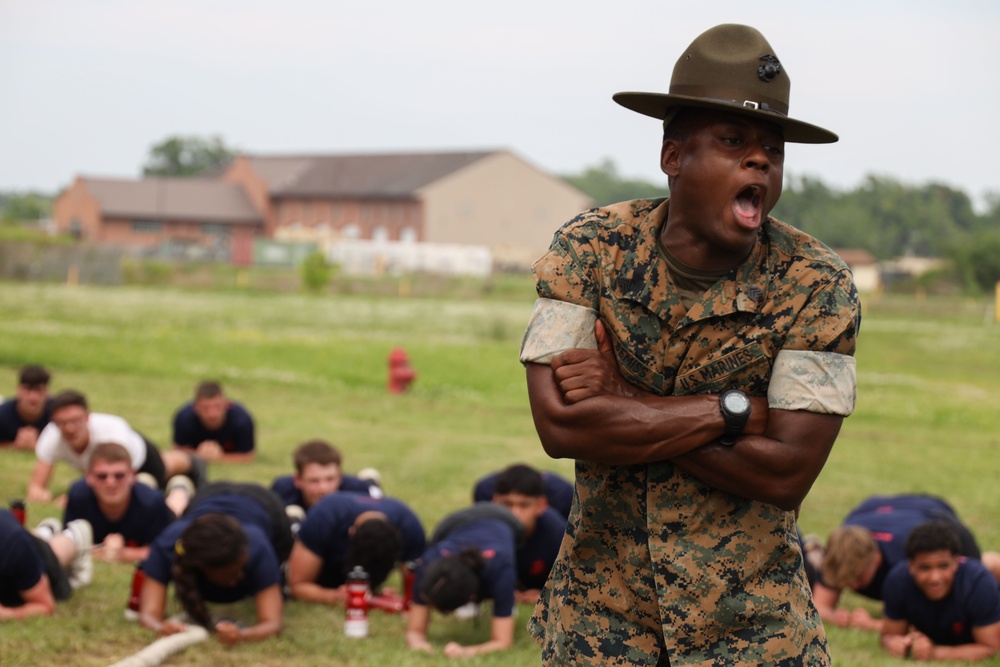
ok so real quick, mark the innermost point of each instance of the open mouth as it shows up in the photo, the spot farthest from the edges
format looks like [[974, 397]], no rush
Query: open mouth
[[748, 204]]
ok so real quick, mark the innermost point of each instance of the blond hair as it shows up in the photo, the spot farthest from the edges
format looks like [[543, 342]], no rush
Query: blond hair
[[849, 552]]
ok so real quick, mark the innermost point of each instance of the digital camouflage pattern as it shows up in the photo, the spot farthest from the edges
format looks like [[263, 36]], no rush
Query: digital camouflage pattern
[[653, 557]]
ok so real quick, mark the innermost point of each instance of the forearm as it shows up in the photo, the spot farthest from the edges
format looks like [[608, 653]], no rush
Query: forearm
[[26, 610], [132, 554], [618, 430], [309, 591], [964, 652], [417, 621], [778, 467], [261, 630], [37, 486]]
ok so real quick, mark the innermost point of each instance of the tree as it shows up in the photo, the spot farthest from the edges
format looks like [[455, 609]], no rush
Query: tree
[[605, 186], [316, 272], [187, 156], [26, 207], [978, 260]]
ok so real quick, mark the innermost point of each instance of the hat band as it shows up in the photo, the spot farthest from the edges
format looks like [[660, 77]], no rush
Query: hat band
[[769, 104]]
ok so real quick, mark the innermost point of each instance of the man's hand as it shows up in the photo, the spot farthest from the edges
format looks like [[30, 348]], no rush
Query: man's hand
[[923, 647], [111, 548], [455, 650], [227, 632], [169, 627], [897, 645], [26, 437], [38, 494], [210, 450], [582, 374], [418, 642]]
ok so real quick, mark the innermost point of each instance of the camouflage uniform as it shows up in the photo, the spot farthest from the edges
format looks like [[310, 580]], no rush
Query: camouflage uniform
[[653, 557]]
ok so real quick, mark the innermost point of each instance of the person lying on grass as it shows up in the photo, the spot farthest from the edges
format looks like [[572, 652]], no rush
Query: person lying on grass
[[228, 547]]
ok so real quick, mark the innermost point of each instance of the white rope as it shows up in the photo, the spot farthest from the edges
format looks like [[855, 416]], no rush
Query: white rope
[[164, 647]]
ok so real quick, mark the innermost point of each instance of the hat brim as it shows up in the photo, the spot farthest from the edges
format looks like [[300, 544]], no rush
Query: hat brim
[[656, 105]]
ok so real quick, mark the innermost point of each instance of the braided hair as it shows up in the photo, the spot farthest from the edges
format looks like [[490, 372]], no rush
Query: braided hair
[[210, 541], [451, 581]]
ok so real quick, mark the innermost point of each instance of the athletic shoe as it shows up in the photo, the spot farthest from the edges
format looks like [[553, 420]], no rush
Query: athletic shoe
[[370, 475], [467, 611], [148, 480], [81, 569], [48, 528], [296, 515], [180, 482]]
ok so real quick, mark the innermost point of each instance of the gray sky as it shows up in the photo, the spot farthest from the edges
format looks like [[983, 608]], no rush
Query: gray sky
[[87, 86]]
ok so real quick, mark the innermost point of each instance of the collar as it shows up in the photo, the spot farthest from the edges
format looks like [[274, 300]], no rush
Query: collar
[[643, 276]]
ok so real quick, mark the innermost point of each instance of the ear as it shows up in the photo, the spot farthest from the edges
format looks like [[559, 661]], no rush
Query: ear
[[543, 504], [670, 157]]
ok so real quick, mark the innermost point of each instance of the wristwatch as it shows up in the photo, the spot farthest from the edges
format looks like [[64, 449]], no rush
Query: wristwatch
[[735, 407]]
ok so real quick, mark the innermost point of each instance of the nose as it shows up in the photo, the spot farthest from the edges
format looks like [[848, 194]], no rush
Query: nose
[[757, 157]]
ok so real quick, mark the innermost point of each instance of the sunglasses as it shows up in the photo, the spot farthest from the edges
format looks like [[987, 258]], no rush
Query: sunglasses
[[103, 476]]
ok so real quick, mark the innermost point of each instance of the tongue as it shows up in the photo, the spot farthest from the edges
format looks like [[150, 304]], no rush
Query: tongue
[[744, 204]]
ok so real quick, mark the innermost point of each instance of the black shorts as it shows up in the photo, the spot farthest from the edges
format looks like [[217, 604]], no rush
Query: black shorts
[[154, 463], [58, 579]]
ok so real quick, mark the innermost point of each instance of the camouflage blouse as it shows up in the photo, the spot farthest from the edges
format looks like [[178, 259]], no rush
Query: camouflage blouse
[[653, 558]]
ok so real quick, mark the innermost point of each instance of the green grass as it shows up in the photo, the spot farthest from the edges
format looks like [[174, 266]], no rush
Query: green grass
[[315, 366]]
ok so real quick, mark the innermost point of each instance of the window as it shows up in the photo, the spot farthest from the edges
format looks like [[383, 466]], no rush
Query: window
[[214, 230], [147, 226], [408, 235], [352, 232], [380, 234]]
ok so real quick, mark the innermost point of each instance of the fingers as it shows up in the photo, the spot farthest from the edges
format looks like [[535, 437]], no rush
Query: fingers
[[603, 338]]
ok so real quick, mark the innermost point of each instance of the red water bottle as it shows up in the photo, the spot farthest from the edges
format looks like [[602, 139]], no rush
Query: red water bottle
[[356, 620], [135, 595], [17, 509]]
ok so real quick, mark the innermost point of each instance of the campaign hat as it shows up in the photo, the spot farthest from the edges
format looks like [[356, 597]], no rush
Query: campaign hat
[[730, 68]]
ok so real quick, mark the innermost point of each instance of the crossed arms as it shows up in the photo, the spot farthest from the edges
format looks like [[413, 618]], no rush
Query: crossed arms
[[583, 408]]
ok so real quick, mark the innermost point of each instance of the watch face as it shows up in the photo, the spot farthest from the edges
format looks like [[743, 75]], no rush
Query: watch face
[[736, 402]]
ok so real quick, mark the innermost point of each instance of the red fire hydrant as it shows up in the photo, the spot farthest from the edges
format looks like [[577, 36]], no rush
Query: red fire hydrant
[[401, 374]]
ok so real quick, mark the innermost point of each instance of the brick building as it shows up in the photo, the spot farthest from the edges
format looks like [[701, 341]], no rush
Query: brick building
[[491, 199]]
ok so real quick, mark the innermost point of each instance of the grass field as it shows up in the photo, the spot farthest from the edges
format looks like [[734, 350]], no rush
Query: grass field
[[928, 420]]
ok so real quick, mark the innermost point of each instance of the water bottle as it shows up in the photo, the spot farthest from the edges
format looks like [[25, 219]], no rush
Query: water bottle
[[135, 594], [356, 620]]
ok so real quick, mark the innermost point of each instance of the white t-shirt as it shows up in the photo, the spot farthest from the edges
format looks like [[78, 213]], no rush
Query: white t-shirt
[[52, 447]]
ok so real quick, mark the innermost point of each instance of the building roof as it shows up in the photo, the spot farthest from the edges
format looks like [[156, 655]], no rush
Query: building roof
[[856, 256], [194, 199], [364, 175]]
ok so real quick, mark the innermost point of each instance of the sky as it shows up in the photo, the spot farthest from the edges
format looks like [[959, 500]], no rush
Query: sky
[[87, 87]]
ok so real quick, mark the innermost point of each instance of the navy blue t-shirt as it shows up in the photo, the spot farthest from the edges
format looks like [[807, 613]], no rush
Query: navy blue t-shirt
[[538, 553], [325, 530], [235, 435], [146, 517], [558, 491], [495, 540], [284, 487], [11, 421], [890, 519], [21, 564], [974, 602], [262, 570]]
